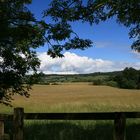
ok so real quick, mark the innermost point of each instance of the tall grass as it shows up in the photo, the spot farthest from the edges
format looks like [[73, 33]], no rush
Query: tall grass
[[68, 130], [76, 98], [76, 130]]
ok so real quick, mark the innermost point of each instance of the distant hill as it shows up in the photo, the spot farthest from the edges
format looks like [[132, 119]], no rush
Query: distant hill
[[54, 78], [128, 78]]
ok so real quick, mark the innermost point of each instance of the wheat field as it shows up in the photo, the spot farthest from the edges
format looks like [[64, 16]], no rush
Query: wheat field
[[77, 97]]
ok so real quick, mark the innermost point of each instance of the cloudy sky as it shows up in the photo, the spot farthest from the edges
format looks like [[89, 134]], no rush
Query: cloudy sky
[[111, 49], [75, 64]]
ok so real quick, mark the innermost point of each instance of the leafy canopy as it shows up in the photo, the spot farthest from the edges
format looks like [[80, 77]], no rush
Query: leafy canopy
[[20, 34], [126, 12], [129, 78]]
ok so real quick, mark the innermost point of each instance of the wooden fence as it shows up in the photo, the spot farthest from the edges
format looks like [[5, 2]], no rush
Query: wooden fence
[[19, 116]]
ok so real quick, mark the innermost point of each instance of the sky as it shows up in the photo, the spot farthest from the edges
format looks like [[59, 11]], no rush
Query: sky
[[111, 49]]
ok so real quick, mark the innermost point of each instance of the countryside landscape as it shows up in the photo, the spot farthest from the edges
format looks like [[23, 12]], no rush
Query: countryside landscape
[[70, 70], [65, 97]]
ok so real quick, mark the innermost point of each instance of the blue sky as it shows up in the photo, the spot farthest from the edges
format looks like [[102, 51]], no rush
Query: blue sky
[[110, 39]]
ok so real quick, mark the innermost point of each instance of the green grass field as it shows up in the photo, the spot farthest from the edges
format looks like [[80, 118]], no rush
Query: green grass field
[[78, 97]]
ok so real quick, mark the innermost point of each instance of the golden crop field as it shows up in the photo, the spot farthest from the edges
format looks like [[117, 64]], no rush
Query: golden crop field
[[77, 97]]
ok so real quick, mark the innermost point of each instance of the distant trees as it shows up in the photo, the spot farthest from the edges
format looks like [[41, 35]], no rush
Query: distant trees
[[129, 78]]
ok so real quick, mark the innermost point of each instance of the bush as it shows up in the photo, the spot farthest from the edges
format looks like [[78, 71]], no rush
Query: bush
[[112, 84], [97, 82], [129, 78]]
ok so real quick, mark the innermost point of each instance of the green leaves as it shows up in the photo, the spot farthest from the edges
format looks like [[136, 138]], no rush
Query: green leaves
[[94, 11], [77, 43], [60, 36], [136, 45], [129, 78], [55, 51], [59, 31], [19, 34]]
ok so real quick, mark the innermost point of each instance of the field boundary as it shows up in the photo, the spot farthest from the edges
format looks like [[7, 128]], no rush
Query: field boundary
[[19, 116]]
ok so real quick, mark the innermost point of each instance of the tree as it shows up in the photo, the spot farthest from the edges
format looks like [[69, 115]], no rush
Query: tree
[[126, 12], [129, 78], [20, 34]]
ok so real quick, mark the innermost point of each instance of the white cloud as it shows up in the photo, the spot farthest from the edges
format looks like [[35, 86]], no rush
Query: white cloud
[[102, 44], [75, 64]]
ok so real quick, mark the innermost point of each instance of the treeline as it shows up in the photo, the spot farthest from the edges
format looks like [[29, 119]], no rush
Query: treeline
[[129, 78], [55, 79]]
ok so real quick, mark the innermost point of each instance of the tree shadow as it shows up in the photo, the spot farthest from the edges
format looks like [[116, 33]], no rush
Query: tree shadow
[[67, 130], [133, 131]]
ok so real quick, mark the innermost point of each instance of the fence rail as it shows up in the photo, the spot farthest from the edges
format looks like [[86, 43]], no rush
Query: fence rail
[[79, 116], [72, 116], [19, 116]]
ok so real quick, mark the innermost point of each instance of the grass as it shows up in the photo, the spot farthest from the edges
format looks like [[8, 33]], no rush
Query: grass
[[80, 130], [77, 98], [70, 130], [76, 130]]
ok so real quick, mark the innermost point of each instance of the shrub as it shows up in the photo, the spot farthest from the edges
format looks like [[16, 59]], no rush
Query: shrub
[[112, 84]]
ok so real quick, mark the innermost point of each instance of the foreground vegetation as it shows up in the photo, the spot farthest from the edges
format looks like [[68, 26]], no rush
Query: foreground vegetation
[[76, 130], [78, 97]]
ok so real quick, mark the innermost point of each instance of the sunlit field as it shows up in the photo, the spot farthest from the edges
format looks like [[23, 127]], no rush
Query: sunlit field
[[77, 97]]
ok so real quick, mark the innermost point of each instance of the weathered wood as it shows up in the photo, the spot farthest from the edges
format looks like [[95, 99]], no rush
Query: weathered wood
[[5, 117], [78, 116], [18, 123], [72, 116], [119, 126], [69, 116], [132, 114], [19, 116], [1, 129]]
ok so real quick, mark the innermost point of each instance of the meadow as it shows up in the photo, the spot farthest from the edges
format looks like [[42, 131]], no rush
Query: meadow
[[77, 97]]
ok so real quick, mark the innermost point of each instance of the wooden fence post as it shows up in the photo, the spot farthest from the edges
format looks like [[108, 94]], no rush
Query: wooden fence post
[[1, 129], [119, 126], [18, 122]]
